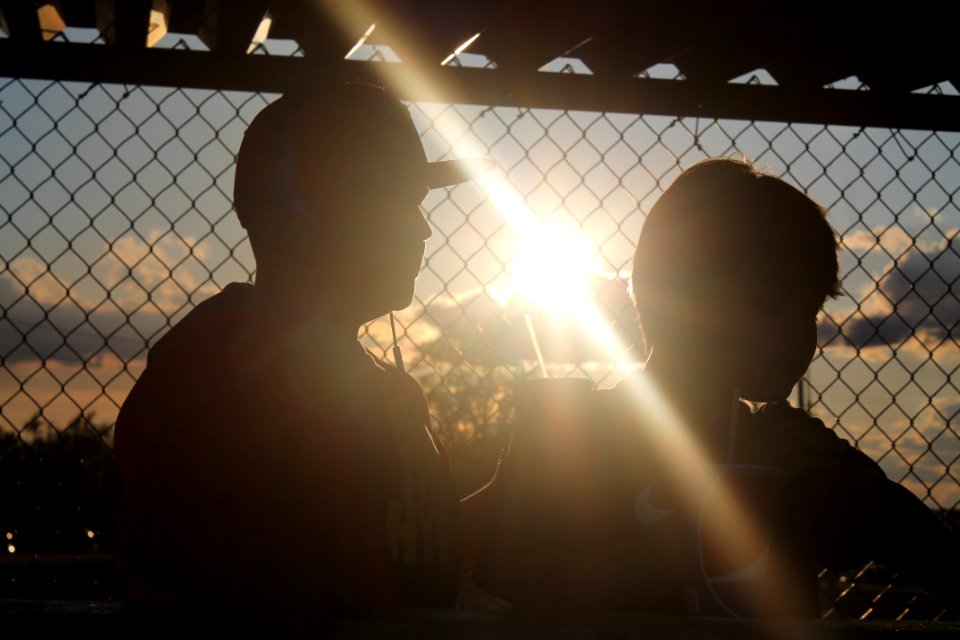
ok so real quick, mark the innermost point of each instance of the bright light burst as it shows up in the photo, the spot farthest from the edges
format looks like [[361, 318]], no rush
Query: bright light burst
[[460, 49], [553, 269], [554, 266]]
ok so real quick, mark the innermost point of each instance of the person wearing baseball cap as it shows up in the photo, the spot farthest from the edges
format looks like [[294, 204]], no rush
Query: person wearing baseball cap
[[268, 459]]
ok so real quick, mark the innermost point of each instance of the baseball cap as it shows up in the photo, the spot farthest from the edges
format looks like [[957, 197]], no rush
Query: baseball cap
[[314, 147]]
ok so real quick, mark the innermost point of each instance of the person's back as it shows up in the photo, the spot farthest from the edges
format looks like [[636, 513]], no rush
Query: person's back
[[268, 459], [257, 469], [574, 524]]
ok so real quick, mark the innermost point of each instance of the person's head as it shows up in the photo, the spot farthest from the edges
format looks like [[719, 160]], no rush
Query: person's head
[[328, 185], [730, 271]]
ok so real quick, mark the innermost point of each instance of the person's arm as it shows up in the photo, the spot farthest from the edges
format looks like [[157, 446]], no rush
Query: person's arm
[[913, 539], [850, 513], [473, 521]]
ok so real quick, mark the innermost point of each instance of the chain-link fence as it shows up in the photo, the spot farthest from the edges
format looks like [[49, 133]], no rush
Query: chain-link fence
[[117, 221]]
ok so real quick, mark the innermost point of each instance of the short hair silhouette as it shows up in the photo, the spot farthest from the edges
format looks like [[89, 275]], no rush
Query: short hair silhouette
[[723, 220], [731, 270]]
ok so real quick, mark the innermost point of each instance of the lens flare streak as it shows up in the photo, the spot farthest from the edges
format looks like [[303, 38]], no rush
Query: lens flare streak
[[553, 269]]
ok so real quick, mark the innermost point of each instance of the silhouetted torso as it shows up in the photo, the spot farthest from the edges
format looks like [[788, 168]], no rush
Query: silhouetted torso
[[563, 531], [833, 505], [263, 461], [604, 524]]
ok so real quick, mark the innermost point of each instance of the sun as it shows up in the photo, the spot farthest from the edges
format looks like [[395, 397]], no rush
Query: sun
[[553, 269]]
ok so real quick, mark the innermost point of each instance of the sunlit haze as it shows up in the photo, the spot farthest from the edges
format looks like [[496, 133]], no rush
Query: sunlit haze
[[553, 269]]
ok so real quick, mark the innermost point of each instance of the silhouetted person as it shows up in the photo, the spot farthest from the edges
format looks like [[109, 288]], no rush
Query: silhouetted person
[[269, 459], [609, 499], [729, 275]]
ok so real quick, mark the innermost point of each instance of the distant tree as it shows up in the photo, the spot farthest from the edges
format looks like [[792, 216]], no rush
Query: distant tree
[[60, 487], [473, 412]]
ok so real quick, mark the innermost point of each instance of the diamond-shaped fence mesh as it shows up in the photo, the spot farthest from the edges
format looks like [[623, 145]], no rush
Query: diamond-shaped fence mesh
[[117, 220]]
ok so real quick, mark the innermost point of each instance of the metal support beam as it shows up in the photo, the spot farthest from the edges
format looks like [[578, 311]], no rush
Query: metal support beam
[[22, 20], [228, 27], [211, 70], [132, 24]]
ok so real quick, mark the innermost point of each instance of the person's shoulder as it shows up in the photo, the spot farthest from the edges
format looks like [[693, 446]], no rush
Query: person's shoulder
[[780, 413], [787, 425], [779, 433], [399, 384], [210, 325], [391, 373], [380, 364], [635, 386], [195, 361]]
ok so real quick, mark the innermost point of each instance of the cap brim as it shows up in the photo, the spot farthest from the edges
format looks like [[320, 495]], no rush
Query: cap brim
[[448, 172]]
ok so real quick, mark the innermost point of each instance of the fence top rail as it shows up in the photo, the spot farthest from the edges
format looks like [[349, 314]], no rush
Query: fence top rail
[[525, 89], [743, 60]]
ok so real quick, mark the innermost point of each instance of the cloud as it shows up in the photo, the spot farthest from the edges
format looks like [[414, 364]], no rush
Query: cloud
[[893, 239], [149, 281], [479, 329], [68, 332], [918, 299], [171, 269]]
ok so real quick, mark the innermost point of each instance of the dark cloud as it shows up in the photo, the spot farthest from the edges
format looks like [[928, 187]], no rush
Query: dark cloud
[[475, 329], [67, 332], [922, 289]]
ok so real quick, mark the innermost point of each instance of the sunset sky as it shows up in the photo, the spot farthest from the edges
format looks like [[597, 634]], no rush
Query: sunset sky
[[117, 217]]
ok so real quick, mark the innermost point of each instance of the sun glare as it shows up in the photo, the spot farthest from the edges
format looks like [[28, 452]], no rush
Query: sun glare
[[553, 269]]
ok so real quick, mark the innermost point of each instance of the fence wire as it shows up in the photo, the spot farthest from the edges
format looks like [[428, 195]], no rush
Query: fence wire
[[117, 221]]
